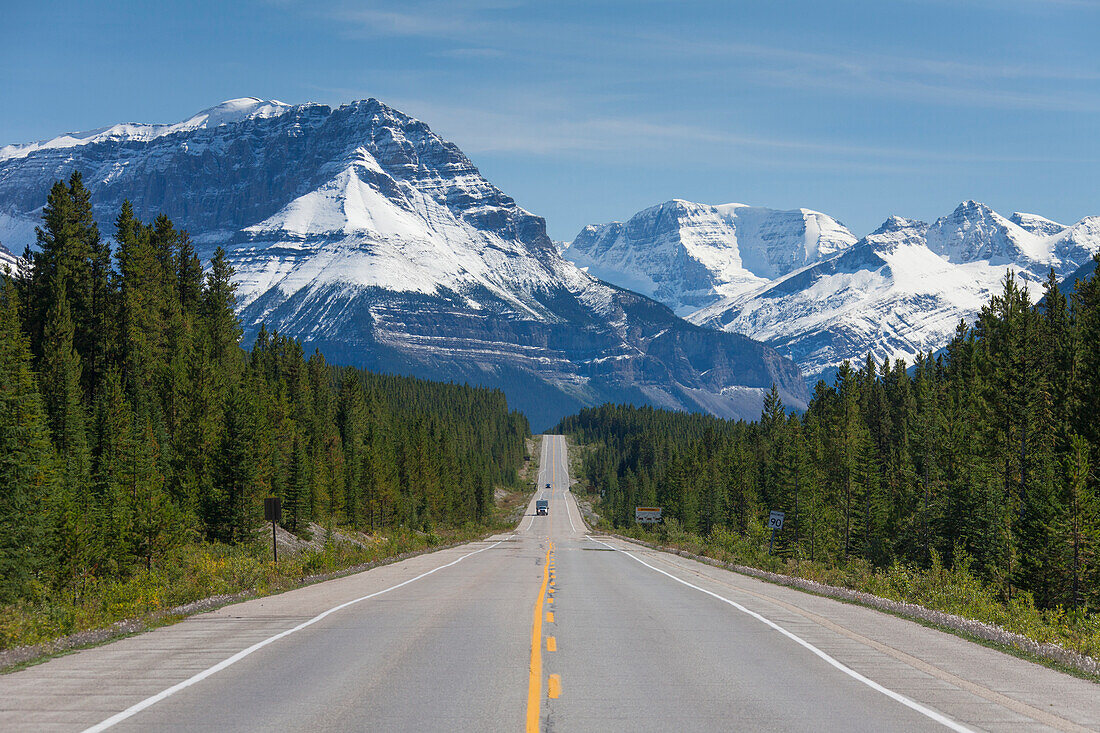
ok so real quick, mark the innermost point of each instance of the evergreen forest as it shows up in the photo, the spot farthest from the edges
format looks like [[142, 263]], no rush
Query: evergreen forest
[[132, 422], [982, 456]]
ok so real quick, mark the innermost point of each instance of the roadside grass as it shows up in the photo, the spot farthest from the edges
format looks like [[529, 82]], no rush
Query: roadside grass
[[199, 577], [576, 453], [529, 471], [949, 590]]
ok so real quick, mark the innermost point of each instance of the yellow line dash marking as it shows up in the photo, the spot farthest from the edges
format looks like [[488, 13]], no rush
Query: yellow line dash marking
[[534, 683], [555, 686], [551, 644], [549, 617]]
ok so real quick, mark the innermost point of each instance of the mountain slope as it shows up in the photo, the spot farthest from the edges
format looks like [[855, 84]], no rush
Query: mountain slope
[[8, 259], [1084, 272], [360, 231], [689, 255]]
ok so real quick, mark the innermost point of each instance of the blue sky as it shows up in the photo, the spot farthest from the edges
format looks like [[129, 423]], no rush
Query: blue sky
[[588, 111]]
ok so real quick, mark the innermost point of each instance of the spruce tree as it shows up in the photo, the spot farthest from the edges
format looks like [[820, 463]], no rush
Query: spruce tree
[[27, 463]]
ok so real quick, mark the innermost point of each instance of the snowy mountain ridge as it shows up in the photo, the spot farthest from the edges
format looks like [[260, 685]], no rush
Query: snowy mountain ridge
[[899, 291], [362, 232], [228, 112]]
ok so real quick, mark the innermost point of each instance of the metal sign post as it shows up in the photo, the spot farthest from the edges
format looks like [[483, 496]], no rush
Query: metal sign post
[[775, 521], [647, 514], [273, 512]]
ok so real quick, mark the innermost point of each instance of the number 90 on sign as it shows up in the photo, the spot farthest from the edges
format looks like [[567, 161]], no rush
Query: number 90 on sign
[[775, 520]]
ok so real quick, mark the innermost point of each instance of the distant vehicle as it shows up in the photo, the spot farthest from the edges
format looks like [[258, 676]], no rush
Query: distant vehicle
[[542, 507], [548, 486]]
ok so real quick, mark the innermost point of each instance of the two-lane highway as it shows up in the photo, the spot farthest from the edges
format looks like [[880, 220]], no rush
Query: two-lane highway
[[545, 628]]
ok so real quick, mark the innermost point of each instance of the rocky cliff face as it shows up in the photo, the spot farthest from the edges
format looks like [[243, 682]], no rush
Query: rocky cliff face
[[689, 255], [363, 233]]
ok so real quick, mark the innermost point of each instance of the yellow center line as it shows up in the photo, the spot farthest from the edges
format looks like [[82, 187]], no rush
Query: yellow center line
[[534, 684]]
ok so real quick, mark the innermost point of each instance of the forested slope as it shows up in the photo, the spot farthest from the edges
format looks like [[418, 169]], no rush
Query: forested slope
[[983, 457], [133, 424]]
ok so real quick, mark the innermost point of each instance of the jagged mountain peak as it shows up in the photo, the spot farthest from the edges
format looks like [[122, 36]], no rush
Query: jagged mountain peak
[[688, 254], [975, 232], [235, 110], [897, 223]]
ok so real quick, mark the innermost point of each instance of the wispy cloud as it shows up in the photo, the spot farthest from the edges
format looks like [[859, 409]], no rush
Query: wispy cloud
[[938, 81], [487, 30], [479, 131], [428, 18], [597, 89]]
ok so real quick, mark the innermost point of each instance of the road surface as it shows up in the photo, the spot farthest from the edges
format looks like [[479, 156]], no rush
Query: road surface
[[545, 628]]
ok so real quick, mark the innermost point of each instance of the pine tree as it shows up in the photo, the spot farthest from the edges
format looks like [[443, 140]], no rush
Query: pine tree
[[1086, 383], [230, 518], [350, 418], [27, 463], [219, 301], [188, 278], [296, 504], [1079, 526], [61, 384]]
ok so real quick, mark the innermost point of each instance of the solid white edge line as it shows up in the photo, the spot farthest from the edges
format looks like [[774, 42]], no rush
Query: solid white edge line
[[154, 699], [928, 712]]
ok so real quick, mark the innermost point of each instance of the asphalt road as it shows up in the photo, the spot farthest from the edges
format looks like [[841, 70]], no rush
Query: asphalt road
[[548, 628]]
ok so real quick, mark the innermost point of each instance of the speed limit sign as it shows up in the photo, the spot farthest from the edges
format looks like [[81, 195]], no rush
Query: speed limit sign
[[775, 520]]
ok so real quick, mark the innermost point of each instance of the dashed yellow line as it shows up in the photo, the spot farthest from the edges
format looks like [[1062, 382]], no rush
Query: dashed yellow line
[[534, 684], [545, 598]]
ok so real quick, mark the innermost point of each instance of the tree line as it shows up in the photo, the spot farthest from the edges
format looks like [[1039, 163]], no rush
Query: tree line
[[983, 454], [132, 421]]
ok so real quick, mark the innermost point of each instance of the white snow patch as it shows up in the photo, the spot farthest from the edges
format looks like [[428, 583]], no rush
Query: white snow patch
[[229, 112]]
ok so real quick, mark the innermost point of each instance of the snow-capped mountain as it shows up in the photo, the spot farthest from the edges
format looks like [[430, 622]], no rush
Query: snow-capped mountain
[[689, 255], [903, 289], [360, 231], [799, 281]]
